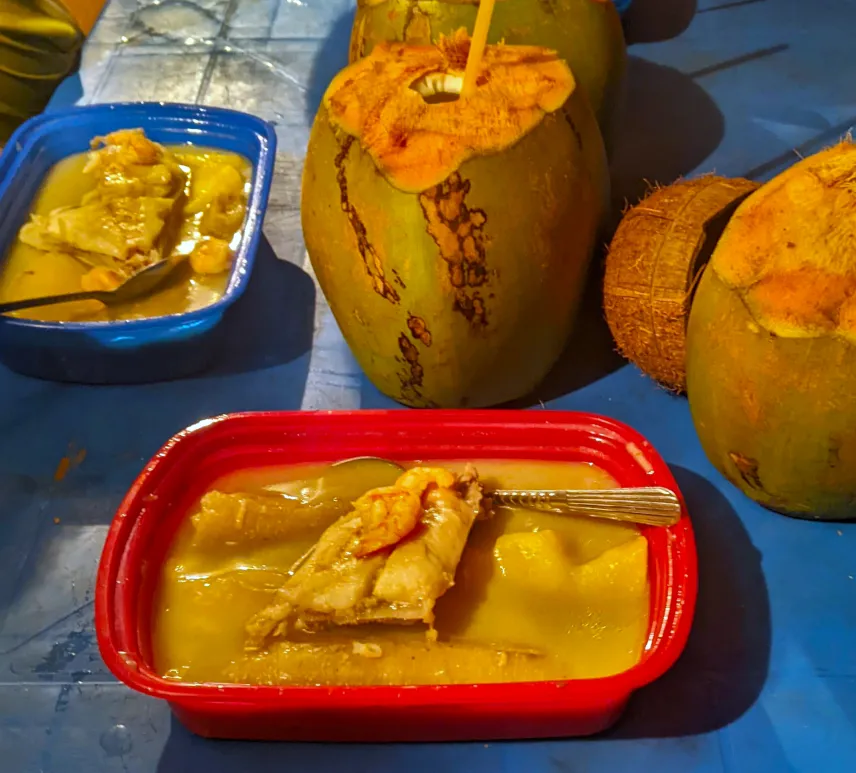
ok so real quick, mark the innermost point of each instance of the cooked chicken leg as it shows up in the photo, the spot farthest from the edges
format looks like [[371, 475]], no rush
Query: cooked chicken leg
[[388, 560]]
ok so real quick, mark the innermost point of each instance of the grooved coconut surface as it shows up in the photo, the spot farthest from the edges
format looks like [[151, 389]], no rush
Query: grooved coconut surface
[[658, 251]]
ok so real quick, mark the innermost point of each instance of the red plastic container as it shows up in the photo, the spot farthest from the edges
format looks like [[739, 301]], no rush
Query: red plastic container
[[188, 464]]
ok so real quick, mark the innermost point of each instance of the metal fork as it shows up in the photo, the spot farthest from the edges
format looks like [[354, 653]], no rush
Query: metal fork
[[653, 506], [649, 505]]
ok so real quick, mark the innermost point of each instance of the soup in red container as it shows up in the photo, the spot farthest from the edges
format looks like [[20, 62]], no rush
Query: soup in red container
[[266, 591]]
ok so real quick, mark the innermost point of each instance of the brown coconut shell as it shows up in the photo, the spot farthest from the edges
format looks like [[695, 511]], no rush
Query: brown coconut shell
[[657, 254]]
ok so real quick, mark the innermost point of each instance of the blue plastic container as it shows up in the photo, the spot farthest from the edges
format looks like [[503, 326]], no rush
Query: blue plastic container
[[130, 351]]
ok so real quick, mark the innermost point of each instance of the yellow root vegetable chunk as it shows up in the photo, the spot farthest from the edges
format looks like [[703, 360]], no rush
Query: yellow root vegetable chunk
[[536, 560], [618, 573], [213, 256]]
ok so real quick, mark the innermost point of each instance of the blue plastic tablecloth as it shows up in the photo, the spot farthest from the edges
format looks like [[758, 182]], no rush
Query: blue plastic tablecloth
[[768, 681]]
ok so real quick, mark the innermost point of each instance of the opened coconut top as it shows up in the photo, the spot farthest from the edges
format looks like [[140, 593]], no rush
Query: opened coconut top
[[401, 103], [790, 248]]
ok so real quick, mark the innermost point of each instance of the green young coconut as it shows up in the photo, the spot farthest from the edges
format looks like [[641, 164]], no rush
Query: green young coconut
[[451, 236], [771, 367], [587, 34]]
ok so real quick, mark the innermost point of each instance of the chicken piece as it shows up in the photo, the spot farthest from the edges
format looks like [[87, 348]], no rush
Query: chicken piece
[[35, 233], [128, 220], [212, 256], [388, 560], [101, 278], [117, 228], [127, 163]]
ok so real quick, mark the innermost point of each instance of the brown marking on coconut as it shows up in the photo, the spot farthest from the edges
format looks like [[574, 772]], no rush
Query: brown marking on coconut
[[747, 469], [372, 261], [419, 330], [655, 258], [773, 318], [834, 452], [357, 43], [458, 232], [417, 26], [752, 409], [413, 374], [569, 118], [842, 452]]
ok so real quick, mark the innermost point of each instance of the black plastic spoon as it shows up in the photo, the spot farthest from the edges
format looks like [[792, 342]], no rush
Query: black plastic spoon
[[139, 284]]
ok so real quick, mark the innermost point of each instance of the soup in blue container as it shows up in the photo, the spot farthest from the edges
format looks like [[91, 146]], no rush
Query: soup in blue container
[[140, 348]]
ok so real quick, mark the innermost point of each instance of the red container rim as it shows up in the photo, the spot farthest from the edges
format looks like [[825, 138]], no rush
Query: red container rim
[[116, 627]]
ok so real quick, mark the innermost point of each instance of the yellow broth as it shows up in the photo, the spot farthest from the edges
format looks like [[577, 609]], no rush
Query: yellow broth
[[30, 273], [537, 595]]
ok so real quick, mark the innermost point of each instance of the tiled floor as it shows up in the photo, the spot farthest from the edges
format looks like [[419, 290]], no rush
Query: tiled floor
[[257, 55]]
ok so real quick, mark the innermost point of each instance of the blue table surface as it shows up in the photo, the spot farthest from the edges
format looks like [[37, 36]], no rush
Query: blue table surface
[[768, 680]]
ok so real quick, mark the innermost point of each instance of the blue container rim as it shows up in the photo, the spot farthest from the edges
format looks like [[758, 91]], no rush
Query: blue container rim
[[200, 120]]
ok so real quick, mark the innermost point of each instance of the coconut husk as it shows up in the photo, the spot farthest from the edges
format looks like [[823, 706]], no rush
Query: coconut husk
[[656, 256]]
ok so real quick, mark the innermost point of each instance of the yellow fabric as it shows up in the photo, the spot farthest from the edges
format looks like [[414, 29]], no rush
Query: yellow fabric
[[85, 12]]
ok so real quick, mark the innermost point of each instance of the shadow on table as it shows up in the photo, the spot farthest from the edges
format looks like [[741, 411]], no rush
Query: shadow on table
[[185, 752], [723, 669], [669, 126], [272, 323], [332, 57], [651, 21], [590, 353]]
